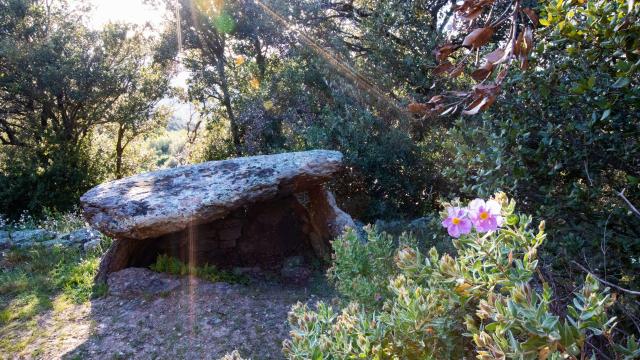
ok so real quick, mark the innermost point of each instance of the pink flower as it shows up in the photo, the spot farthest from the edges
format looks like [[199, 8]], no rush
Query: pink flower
[[457, 222], [485, 215]]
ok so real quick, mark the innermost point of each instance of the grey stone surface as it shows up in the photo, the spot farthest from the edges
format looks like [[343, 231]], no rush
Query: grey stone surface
[[161, 202], [83, 236], [28, 237], [47, 238], [91, 245]]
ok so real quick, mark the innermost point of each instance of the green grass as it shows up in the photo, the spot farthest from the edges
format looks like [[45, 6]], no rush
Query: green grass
[[171, 265], [30, 278], [39, 283], [49, 220], [37, 280]]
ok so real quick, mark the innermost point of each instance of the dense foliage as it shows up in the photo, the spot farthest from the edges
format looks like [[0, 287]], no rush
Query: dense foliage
[[385, 82], [283, 76], [564, 138], [62, 85], [487, 301]]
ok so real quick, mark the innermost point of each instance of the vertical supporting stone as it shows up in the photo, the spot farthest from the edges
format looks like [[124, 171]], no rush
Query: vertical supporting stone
[[326, 220], [117, 257]]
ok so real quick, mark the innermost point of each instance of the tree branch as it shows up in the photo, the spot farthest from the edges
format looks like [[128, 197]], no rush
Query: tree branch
[[633, 208], [632, 292]]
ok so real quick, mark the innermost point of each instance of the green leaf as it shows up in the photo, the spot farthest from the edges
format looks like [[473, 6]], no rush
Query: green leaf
[[491, 327], [621, 82]]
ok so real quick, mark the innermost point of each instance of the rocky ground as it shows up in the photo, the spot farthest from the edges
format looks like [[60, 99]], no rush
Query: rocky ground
[[85, 238], [148, 315]]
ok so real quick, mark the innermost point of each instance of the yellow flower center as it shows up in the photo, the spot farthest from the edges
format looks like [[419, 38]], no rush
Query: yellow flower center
[[455, 221], [484, 215]]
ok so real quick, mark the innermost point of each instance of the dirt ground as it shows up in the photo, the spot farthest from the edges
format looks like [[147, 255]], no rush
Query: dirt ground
[[148, 315]]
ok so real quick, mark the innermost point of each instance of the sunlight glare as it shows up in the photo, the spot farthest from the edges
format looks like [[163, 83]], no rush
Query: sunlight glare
[[130, 11]]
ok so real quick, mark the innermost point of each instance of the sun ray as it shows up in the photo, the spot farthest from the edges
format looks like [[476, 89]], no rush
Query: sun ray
[[341, 66]]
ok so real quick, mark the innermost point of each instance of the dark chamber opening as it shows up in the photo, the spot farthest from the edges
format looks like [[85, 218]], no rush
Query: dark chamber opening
[[262, 234]]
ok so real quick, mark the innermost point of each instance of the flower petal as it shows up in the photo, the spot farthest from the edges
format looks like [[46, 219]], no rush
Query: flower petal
[[493, 207], [453, 231], [465, 226], [476, 204], [452, 211]]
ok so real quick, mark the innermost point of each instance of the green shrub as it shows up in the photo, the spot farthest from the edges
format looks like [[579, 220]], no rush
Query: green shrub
[[563, 137], [388, 174], [361, 269], [51, 220], [76, 279], [485, 301], [37, 179], [171, 265]]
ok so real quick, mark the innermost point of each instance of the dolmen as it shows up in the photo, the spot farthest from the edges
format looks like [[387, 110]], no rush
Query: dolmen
[[248, 211]]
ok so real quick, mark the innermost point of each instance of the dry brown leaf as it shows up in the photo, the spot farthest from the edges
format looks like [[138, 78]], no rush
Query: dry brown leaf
[[465, 6], [528, 41], [482, 72], [445, 67], [444, 51], [531, 14], [473, 14], [495, 57], [486, 89], [490, 100], [478, 37], [436, 99], [418, 108], [475, 106], [518, 47], [469, 5], [449, 110]]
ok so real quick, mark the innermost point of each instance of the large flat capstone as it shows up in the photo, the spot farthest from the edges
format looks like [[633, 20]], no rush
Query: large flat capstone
[[238, 212], [162, 202]]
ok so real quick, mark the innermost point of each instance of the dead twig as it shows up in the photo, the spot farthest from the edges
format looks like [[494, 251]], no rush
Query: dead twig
[[633, 208], [586, 169], [632, 292]]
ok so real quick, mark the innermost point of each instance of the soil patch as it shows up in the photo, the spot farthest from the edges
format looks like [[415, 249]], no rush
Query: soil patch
[[148, 315]]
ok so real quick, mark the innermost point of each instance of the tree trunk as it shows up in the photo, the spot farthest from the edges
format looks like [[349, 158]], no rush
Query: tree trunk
[[226, 100], [119, 151], [260, 59]]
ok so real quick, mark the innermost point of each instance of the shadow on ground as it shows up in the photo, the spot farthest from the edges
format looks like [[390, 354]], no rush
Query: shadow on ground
[[148, 315]]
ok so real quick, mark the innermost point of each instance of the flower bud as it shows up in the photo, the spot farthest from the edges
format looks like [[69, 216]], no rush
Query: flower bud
[[406, 256], [501, 198]]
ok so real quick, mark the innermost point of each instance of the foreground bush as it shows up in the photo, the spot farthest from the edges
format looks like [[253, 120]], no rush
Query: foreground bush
[[563, 137], [483, 302]]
